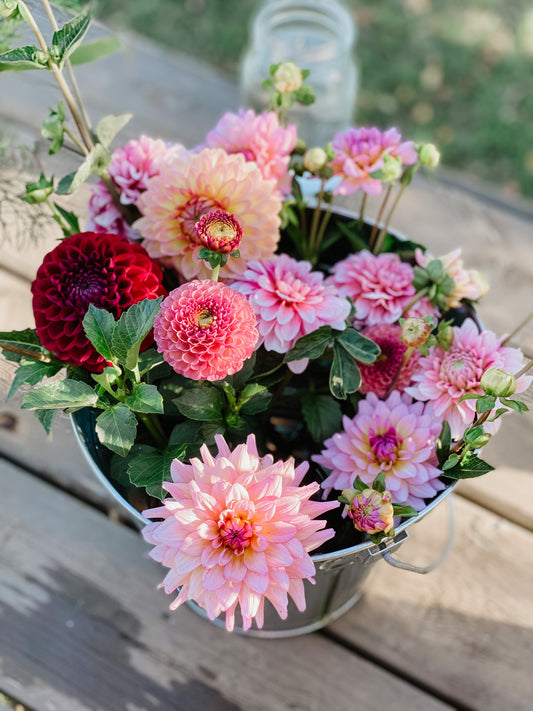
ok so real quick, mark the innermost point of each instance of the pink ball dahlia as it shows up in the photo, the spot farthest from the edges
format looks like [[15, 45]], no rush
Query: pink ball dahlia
[[396, 436], [445, 376], [379, 285], [237, 529], [205, 330], [371, 511], [290, 301], [378, 376], [193, 184], [359, 153], [260, 138], [88, 268]]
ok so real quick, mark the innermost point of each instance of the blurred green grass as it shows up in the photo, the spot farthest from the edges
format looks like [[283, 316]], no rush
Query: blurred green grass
[[455, 72]]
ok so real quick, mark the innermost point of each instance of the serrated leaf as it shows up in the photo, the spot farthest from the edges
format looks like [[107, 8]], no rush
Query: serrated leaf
[[344, 376], [68, 37], [471, 467], [310, 346], [145, 398], [109, 126], [359, 347], [151, 469], [99, 326], [132, 328], [203, 404], [32, 373], [46, 418], [20, 59], [254, 398], [96, 161], [91, 51], [323, 416], [61, 394], [116, 428]]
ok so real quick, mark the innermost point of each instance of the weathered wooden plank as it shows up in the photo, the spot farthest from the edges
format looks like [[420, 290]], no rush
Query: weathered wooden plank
[[83, 629], [466, 628]]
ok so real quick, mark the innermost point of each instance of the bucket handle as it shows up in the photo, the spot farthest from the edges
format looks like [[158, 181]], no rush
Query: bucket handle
[[440, 559]]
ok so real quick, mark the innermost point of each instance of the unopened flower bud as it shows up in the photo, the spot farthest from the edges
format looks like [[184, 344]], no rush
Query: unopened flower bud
[[371, 511], [498, 383], [445, 337], [218, 231], [38, 192], [429, 155], [287, 77], [415, 332], [392, 168], [8, 8], [314, 159]]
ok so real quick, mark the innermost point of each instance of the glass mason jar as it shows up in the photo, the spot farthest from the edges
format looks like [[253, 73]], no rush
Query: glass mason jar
[[318, 35]]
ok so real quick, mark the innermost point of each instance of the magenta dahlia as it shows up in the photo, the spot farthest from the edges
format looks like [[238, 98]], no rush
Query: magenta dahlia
[[205, 330], [237, 529], [378, 376], [88, 268]]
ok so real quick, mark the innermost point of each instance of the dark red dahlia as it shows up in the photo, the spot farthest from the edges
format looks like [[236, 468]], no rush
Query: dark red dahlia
[[89, 268]]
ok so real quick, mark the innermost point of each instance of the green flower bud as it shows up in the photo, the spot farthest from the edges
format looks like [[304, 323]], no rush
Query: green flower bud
[[415, 332], [498, 383], [314, 159], [287, 78], [40, 57], [429, 155], [8, 8], [392, 168], [38, 192]]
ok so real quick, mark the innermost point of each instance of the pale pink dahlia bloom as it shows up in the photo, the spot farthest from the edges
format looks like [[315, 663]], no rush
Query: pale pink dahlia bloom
[[378, 376], [290, 301], [445, 376], [237, 529], [379, 285], [396, 436], [192, 184], [260, 138], [104, 216], [469, 283], [205, 330], [359, 153]]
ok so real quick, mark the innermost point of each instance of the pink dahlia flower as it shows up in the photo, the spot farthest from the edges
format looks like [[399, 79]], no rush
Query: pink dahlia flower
[[396, 436], [104, 216], [379, 285], [290, 301], [371, 511], [260, 138], [445, 376], [359, 153], [237, 529], [205, 330], [193, 184], [219, 232], [469, 283], [378, 376]]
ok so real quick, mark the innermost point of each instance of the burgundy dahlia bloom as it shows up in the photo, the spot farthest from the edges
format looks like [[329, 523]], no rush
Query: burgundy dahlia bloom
[[88, 268]]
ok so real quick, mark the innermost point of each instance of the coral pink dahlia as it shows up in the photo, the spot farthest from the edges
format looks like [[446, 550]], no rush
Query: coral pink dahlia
[[260, 138], [237, 529], [396, 436], [445, 376], [193, 184], [219, 232], [205, 330], [359, 153], [378, 376], [379, 285], [290, 301]]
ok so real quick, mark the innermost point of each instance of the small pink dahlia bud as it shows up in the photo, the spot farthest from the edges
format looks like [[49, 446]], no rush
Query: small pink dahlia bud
[[415, 332], [498, 383], [371, 511], [287, 77], [219, 231]]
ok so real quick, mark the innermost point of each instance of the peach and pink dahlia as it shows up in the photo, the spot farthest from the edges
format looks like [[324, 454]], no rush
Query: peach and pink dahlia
[[395, 436], [260, 138], [380, 286], [469, 283], [205, 330], [378, 376], [190, 185], [445, 376], [237, 529]]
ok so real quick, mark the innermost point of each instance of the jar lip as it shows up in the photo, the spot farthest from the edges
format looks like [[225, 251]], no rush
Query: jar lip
[[334, 16]]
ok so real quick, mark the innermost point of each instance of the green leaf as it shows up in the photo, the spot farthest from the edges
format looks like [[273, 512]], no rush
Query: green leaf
[[70, 218], [515, 405], [98, 49], [109, 126], [470, 396], [406, 511], [61, 394], [20, 59], [379, 483], [323, 416], [145, 398], [499, 412], [149, 359], [471, 466], [27, 340], [204, 404], [310, 346], [46, 418], [451, 462], [64, 185], [116, 428], [68, 37], [96, 161], [151, 469], [473, 434], [32, 373], [359, 347], [53, 128], [345, 376], [485, 403], [254, 398], [132, 328], [99, 326], [185, 433]]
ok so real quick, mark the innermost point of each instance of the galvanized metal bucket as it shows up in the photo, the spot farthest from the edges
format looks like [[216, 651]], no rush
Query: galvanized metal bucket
[[339, 575]]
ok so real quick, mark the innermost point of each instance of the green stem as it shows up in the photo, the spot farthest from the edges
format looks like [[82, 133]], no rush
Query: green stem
[[385, 227], [362, 210], [152, 424], [26, 353], [316, 218], [58, 217], [416, 298], [374, 232], [74, 139], [322, 228], [215, 273]]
